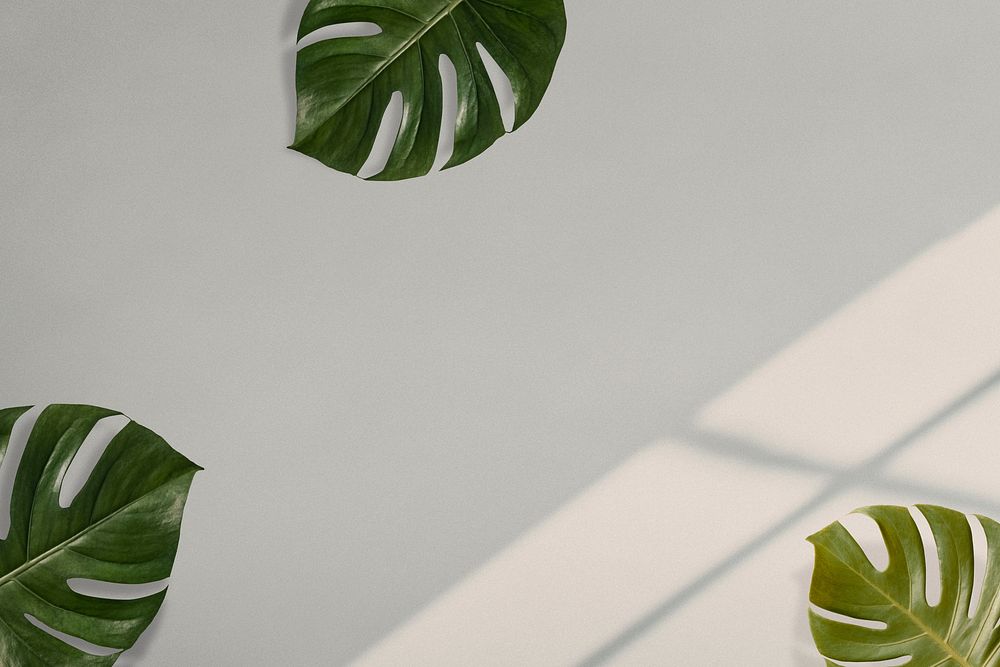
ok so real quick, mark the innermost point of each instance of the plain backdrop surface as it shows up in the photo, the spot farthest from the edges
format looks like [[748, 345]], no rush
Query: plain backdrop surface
[[389, 383]]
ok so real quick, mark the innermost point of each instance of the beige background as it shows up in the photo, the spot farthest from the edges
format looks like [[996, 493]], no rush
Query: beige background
[[390, 383]]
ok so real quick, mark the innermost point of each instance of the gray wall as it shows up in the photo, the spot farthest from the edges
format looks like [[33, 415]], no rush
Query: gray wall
[[387, 383]]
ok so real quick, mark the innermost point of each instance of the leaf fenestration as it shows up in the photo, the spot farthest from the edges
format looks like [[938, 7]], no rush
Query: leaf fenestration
[[948, 634], [344, 84], [122, 527]]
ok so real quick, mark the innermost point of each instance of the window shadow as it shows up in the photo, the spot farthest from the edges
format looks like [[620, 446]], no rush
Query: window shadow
[[839, 411], [867, 473]]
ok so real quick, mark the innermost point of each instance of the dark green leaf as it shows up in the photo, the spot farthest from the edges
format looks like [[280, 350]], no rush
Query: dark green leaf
[[943, 635], [344, 84], [122, 527]]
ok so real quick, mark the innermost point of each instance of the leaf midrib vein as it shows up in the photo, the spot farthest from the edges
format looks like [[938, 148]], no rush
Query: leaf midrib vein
[[933, 636], [13, 574], [395, 55]]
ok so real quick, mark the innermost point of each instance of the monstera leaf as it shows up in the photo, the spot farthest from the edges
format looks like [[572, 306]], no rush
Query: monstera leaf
[[344, 84], [947, 634], [121, 527]]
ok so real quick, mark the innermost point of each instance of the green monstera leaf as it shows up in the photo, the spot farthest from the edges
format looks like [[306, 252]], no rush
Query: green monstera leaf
[[949, 633], [345, 84], [121, 527]]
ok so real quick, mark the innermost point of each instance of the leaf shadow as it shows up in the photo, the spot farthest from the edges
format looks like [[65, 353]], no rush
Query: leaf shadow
[[138, 654]]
